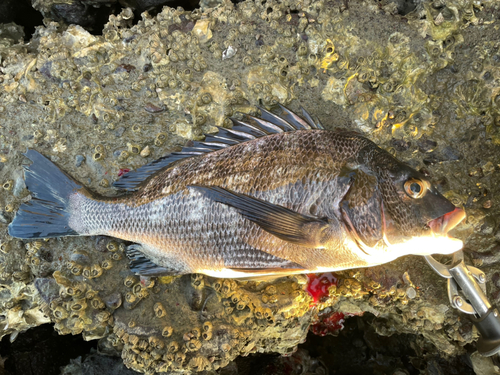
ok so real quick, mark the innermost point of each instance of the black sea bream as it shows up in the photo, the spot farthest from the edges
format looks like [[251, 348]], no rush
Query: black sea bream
[[273, 195]]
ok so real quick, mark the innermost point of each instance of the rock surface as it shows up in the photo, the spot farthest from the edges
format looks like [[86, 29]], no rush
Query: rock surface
[[424, 85]]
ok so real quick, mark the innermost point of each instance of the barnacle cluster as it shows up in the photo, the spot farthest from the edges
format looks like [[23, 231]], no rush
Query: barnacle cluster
[[209, 323], [100, 105], [20, 305], [85, 303]]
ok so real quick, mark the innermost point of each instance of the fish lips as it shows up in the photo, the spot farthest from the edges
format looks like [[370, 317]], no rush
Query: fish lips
[[435, 240], [445, 223], [439, 226]]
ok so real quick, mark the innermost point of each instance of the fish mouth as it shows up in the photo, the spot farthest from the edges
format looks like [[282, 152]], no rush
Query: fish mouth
[[433, 241], [443, 224]]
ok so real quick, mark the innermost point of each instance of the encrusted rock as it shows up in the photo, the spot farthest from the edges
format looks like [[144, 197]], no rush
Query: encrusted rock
[[137, 92]]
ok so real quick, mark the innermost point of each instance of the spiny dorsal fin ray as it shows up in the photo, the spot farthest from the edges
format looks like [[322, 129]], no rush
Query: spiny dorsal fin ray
[[212, 145], [217, 138], [249, 128], [276, 120], [131, 180], [293, 119], [243, 130], [310, 120], [266, 125], [241, 134], [238, 136]]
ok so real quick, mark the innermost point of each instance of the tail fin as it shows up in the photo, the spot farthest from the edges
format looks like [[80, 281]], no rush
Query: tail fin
[[47, 213]]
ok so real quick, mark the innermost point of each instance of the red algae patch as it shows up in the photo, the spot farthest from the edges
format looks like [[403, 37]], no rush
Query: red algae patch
[[319, 284], [330, 324], [122, 171]]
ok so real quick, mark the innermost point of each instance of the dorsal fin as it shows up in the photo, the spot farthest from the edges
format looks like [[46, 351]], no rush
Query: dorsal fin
[[295, 120], [243, 130], [275, 119]]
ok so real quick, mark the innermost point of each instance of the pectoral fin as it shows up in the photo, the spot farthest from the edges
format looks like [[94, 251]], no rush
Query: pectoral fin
[[283, 223]]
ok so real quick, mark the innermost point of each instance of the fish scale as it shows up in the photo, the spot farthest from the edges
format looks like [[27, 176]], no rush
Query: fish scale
[[181, 224], [271, 196]]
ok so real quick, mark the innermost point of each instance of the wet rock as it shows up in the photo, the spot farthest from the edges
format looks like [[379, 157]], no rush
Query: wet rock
[[185, 324], [400, 144], [101, 243], [451, 154], [41, 352], [426, 145], [119, 132], [487, 257], [76, 12], [142, 5], [19, 186], [79, 159], [488, 225], [48, 289], [483, 365], [113, 301], [9, 10], [448, 154], [10, 33], [96, 364], [151, 108]]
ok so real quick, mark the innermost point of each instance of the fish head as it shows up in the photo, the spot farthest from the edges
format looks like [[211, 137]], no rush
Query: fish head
[[416, 217]]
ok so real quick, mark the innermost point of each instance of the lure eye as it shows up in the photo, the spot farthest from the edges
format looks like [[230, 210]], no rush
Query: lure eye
[[415, 188]]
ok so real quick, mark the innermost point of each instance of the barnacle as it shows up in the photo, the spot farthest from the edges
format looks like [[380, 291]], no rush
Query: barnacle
[[106, 264], [98, 156], [8, 185], [97, 303], [173, 347], [130, 281], [5, 247], [60, 313], [197, 281], [159, 310], [160, 139], [145, 152], [193, 345], [167, 331]]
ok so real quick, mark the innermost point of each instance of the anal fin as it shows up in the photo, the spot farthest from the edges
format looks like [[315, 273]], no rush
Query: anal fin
[[141, 265]]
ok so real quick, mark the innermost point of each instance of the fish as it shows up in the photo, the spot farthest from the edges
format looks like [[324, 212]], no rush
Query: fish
[[273, 195]]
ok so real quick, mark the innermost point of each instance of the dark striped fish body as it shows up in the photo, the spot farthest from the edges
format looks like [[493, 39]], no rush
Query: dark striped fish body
[[276, 195]]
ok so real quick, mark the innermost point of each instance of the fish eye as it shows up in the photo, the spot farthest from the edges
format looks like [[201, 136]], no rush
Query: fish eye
[[414, 188]]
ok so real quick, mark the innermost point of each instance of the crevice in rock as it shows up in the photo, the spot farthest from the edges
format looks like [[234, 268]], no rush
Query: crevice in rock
[[42, 351]]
